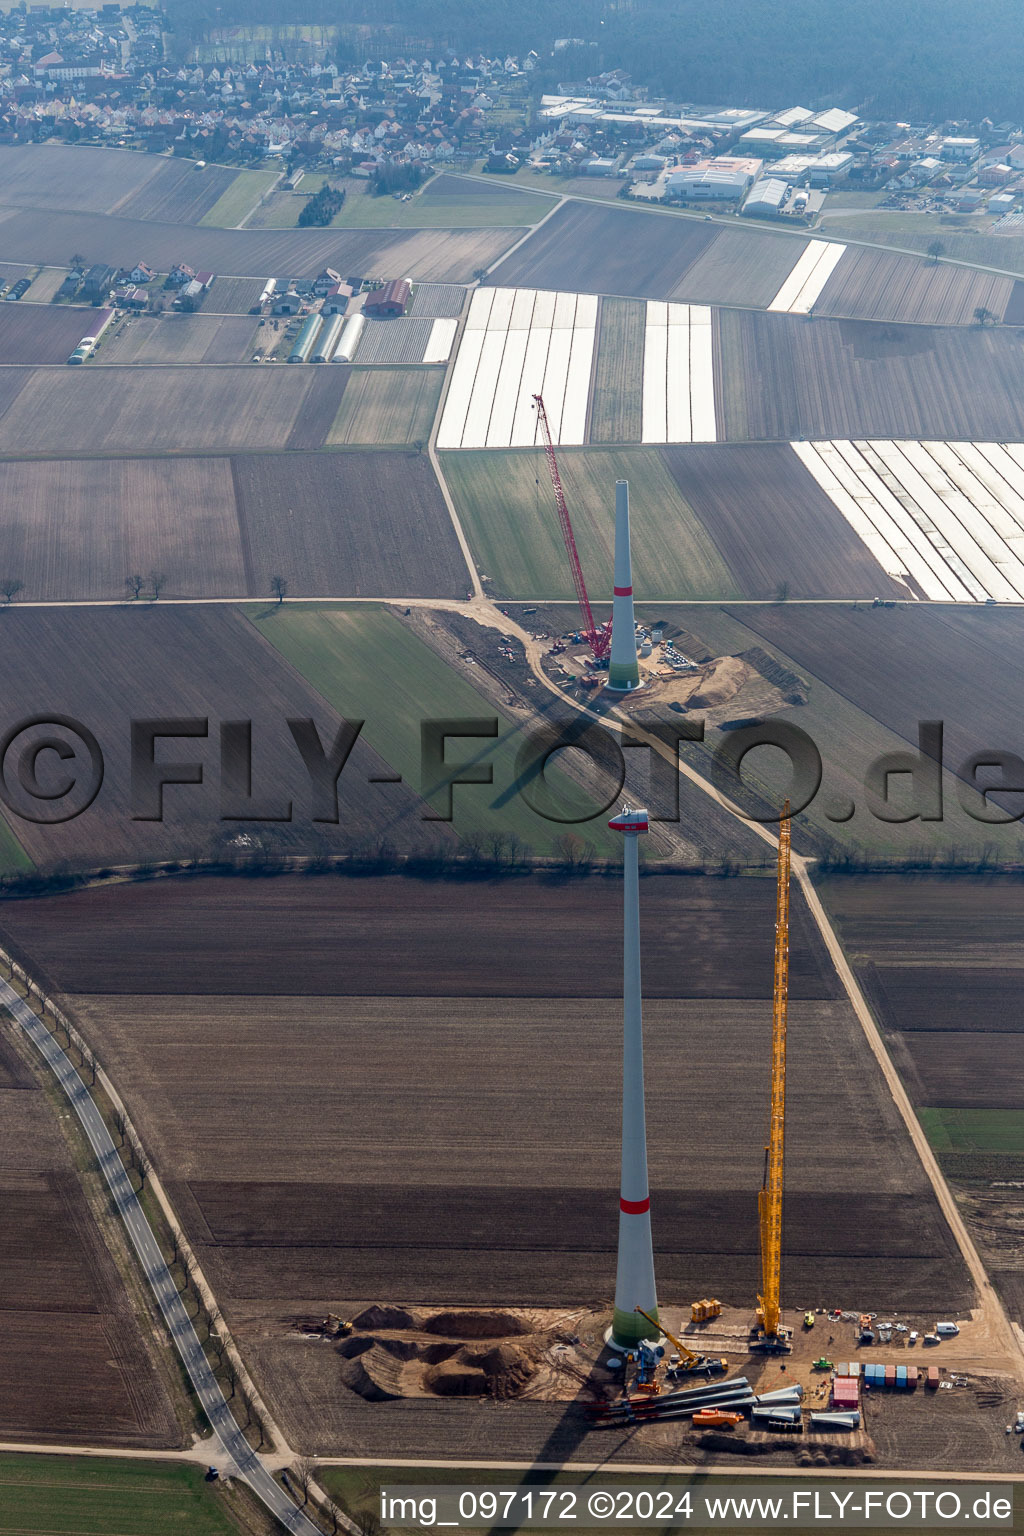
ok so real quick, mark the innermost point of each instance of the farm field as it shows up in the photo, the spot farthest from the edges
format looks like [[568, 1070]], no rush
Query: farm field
[[347, 525], [707, 521], [852, 726], [446, 202], [272, 1167], [131, 1498], [385, 407], [787, 377], [437, 301], [233, 296], [181, 192], [101, 410], [173, 338], [772, 525], [408, 340], [105, 665], [444, 256], [75, 178], [45, 285], [679, 382], [239, 198], [591, 249], [968, 242], [945, 518], [31, 333], [802, 287], [75, 528], [885, 285], [940, 964], [77, 1368], [518, 343], [370, 667], [742, 266], [616, 398]]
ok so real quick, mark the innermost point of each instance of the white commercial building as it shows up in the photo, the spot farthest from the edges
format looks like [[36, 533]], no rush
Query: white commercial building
[[724, 180]]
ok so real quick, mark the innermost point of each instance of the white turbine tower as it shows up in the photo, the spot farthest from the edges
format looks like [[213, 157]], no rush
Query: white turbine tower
[[623, 672], [634, 1281]]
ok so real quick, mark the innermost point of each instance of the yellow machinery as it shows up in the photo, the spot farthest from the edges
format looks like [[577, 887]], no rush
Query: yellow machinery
[[704, 1311], [690, 1361], [770, 1334]]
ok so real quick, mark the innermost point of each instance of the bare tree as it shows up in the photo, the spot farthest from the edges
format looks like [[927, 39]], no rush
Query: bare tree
[[10, 586], [144, 1166], [981, 314], [279, 588], [157, 582], [304, 1468], [120, 1126], [935, 250], [135, 584], [231, 1374]]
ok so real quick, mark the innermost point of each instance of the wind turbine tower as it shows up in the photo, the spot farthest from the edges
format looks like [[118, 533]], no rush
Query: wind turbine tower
[[634, 1281], [623, 672]]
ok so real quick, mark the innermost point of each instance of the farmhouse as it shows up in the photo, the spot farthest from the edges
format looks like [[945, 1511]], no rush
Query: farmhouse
[[337, 299], [390, 301]]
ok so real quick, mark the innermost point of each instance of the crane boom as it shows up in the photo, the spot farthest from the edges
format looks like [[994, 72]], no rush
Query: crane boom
[[770, 1197], [599, 640]]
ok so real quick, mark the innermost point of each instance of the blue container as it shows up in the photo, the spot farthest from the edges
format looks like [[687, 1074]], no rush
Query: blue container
[[901, 1377]]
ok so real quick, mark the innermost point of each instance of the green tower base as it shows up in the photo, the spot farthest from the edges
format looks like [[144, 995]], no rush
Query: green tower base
[[629, 1329]]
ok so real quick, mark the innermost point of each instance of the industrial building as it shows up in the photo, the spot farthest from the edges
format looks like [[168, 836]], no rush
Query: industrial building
[[767, 197], [817, 170], [964, 150], [722, 180]]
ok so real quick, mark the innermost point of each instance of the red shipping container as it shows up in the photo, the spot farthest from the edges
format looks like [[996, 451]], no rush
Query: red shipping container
[[933, 1376], [845, 1393], [911, 1377], [890, 1375]]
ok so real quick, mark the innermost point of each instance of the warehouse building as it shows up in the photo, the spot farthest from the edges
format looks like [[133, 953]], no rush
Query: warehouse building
[[767, 198], [723, 180], [390, 301]]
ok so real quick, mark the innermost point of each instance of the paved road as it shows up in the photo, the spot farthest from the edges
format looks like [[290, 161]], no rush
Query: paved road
[[246, 1464]]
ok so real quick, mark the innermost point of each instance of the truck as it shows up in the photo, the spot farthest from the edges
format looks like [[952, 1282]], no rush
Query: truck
[[946, 1330]]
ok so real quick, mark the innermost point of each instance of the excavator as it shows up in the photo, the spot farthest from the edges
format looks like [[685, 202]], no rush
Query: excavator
[[689, 1363], [769, 1333]]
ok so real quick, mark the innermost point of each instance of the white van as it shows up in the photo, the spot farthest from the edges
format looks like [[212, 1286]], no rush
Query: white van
[[946, 1330]]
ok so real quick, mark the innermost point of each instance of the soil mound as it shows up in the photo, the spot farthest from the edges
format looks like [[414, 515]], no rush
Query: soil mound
[[376, 1374], [507, 1367], [383, 1317], [476, 1325]]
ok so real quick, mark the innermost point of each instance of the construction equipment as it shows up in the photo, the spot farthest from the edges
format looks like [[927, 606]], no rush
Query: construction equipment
[[689, 1362], [769, 1332], [336, 1325], [599, 640], [822, 1364], [808, 1319], [704, 1311], [716, 1418]]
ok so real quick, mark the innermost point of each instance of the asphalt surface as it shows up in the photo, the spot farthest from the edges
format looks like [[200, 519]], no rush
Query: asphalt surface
[[245, 1462]]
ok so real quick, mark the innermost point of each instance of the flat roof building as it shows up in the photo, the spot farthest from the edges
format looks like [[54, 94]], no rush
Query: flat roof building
[[725, 179]]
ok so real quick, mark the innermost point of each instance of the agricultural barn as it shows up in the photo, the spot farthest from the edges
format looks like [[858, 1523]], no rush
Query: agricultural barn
[[389, 301], [721, 180]]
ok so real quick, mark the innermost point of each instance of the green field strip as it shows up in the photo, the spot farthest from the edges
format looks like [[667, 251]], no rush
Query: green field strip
[[240, 198], [505, 503], [974, 1130], [616, 407], [13, 858], [387, 407], [370, 667], [98, 1497]]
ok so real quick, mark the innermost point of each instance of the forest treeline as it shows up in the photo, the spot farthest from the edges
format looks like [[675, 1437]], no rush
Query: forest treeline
[[913, 59]]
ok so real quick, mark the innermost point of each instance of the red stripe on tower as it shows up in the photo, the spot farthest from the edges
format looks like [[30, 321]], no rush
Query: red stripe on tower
[[635, 1207], [623, 591]]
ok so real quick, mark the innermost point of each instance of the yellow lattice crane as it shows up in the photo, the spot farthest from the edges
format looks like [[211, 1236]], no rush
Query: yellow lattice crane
[[770, 1333]]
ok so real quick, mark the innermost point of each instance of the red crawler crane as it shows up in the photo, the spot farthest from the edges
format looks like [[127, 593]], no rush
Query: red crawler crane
[[599, 640]]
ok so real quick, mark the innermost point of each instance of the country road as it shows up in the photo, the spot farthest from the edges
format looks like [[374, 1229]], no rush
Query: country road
[[244, 1462]]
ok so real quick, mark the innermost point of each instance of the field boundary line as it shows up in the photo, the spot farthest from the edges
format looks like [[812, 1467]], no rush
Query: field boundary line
[[245, 1462]]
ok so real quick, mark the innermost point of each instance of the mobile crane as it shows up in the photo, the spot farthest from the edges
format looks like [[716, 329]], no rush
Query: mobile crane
[[689, 1362], [769, 1333]]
